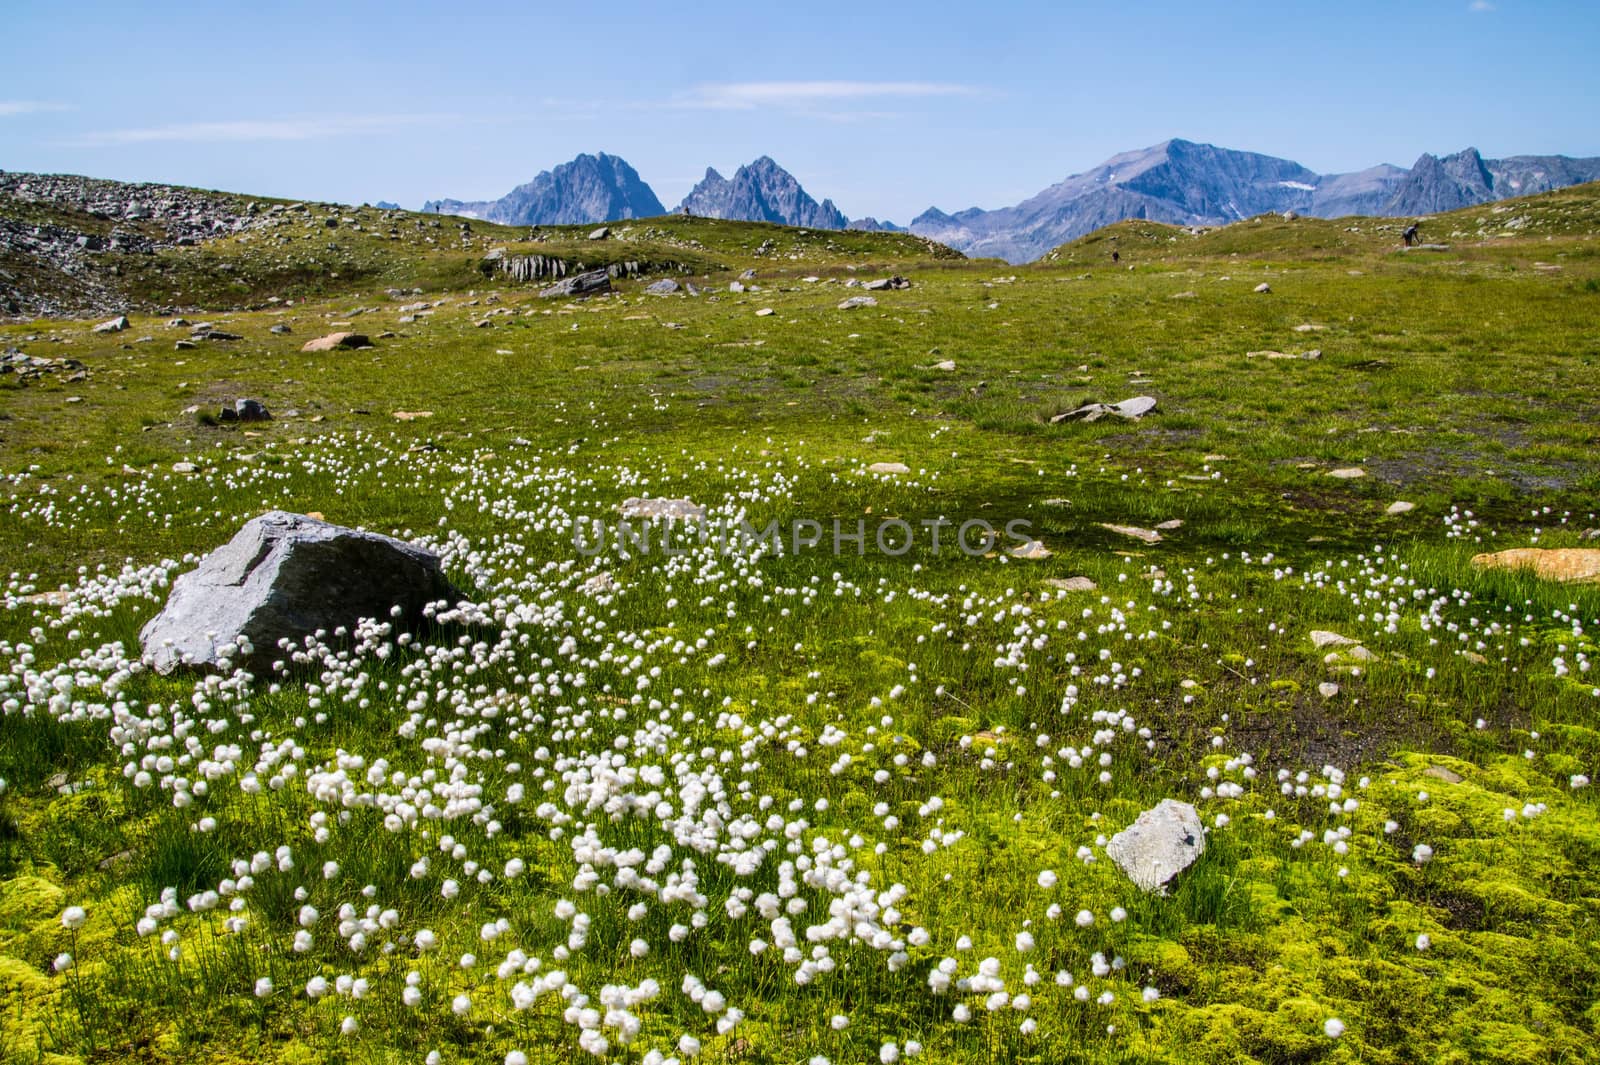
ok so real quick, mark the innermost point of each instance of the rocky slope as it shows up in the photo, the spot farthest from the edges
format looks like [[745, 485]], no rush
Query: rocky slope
[[761, 191], [591, 188]]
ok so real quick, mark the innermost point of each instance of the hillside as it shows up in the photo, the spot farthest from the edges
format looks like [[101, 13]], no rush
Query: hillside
[[72, 245]]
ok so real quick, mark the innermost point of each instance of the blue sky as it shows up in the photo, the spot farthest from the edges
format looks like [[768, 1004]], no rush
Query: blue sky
[[887, 108]]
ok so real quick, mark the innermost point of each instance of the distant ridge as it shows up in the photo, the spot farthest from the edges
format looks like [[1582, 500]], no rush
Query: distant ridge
[[1184, 183], [761, 191], [591, 188]]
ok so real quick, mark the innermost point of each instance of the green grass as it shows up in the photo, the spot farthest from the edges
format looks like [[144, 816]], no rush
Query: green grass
[[1459, 381]]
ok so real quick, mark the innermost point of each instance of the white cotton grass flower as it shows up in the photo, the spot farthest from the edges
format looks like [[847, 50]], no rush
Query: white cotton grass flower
[[73, 917], [349, 1026], [1422, 854], [1048, 879], [1424, 941], [1333, 1028], [264, 987], [62, 963], [1084, 919]]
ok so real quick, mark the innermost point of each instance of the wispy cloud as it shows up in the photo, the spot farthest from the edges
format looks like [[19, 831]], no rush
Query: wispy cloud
[[811, 96], [239, 130], [30, 107], [1480, 5]]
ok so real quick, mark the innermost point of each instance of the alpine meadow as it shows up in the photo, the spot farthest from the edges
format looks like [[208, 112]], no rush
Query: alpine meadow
[[570, 627]]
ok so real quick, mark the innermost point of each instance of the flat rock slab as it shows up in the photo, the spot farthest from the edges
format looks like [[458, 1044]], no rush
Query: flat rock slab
[[1072, 584], [1131, 409], [1347, 473], [1033, 549], [857, 301], [1321, 638], [116, 325], [1149, 536], [888, 467], [671, 509], [336, 340], [588, 284], [665, 287], [286, 576], [1567, 565], [1398, 507], [1163, 842]]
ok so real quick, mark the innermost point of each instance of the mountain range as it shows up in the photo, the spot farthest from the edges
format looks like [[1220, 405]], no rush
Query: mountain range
[[1177, 181]]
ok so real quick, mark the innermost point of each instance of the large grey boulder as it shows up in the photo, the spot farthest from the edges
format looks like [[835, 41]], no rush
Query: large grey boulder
[[588, 284], [1163, 842], [288, 575]]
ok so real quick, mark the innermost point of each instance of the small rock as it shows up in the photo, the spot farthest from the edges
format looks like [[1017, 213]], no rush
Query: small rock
[[1072, 584], [665, 287], [764, 312], [1160, 844], [947, 365], [251, 410], [412, 415], [1149, 536], [1399, 506], [281, 329], [336, 340], [888, 467], [670, 509], [600, 234], [1168, 526], [1327, 689], [1566, 565], [116, 325], [1321, 638], [1263, 287], [857, 301], [1347, 473], [1439, 772], [1032, 550]]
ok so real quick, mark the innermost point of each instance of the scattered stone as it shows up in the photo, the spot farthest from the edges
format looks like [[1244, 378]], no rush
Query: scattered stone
[[665, 287], [116, 325], [184, 345], [183, 467], [1129, 409], [1149, 536], [1566, 565], [1321, 638], [1347, 473], [285, 576], [1072, 584], [280, 329], [1399, 506], [1439, 772], [412, 415], [883, 283], [764, 312], [336, 340], [857, 301], [946, 365], [1475, 658], [600, 234], [1327, 689], [1314, 353], [250, 410], [888, 467], [588, 284], [671, 509], [1168, 526], [734, 286], [1263, 287], [600, 582], [1033, 550], [1163, 842]]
